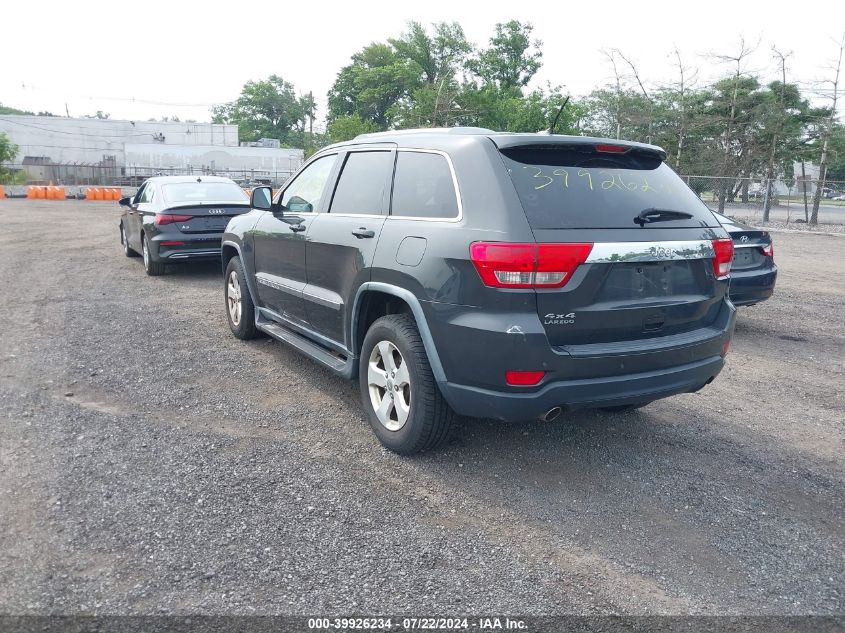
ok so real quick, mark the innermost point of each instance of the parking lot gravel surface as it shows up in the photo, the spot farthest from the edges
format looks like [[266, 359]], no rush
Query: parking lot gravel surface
[[151, 463]]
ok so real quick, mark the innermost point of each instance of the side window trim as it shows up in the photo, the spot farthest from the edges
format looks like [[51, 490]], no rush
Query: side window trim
[[140, 193], [387, 192], [329, 186], [458, 200]]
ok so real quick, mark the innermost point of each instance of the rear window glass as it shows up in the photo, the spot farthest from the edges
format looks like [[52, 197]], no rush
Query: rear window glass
[[203, 192], [577, 187], [423, 186]]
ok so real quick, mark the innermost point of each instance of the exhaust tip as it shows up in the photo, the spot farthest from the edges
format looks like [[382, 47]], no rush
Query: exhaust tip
[[551, 414]]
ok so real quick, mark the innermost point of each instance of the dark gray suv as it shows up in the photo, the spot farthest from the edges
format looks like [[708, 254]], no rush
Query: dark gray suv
[[470, 272]]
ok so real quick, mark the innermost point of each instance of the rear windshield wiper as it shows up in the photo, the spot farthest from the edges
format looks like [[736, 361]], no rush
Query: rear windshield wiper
[[660, 215]]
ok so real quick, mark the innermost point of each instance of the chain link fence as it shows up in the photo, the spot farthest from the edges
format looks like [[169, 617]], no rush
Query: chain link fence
[[73, 175], [787, 201]]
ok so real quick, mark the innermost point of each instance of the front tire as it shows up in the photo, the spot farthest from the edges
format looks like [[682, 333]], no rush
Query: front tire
[[124, 241], [404, 405], [240, 311], [152, 268]]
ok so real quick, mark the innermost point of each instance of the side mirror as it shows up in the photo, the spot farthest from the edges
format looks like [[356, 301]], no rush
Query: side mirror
[[125, 202], [261, 198]]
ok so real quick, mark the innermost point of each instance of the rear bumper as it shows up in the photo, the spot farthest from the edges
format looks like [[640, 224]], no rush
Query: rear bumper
[[752, 286], [477, 347], [582, 394], [193, 247]]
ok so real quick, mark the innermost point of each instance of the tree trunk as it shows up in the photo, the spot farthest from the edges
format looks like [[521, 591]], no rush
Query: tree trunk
[[814, 216]]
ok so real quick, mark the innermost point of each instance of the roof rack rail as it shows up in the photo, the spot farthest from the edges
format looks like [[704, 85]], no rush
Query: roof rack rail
[[427, 130]]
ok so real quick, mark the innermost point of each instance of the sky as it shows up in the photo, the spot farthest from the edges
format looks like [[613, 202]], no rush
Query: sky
[[155, 59]]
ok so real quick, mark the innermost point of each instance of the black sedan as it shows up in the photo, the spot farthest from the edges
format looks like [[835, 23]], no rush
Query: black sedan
[[753, 271], [175, 219]]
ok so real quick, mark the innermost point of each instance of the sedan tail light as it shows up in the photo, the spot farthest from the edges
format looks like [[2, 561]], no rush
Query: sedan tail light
[[164, 218], [768, 250], [724, 250], [508, 265]]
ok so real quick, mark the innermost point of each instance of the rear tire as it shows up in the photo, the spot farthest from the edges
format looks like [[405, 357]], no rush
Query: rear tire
[[153, 269], [393, 361], [240, 311], [124, 241]]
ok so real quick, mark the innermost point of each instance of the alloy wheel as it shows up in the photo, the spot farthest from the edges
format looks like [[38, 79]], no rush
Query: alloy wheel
[[233, 298], [389, 385]]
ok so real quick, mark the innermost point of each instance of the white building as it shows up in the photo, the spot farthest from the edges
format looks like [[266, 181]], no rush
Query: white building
[[68, 149]]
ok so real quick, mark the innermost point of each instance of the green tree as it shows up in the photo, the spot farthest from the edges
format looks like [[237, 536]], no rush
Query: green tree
[[348, 126], [372, 85], [439, 56], [8, 150], [512, 58], [267, 109]]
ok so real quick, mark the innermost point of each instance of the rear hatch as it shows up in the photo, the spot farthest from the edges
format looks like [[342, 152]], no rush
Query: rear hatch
[[648, 271]]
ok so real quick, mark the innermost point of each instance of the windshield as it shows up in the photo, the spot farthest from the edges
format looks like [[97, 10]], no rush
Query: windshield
[[574, 187], [178, 192]]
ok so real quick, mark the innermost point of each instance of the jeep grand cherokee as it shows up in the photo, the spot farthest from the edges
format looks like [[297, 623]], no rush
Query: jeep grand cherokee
[[470, 272]]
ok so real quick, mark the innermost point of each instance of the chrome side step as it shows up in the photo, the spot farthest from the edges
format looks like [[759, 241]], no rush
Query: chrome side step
[[342, 366]]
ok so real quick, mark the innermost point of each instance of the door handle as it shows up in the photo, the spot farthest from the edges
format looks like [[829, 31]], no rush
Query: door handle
[[297, 228], [363, 232]]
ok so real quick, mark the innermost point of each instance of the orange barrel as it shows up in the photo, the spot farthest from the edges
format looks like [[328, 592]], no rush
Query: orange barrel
[[41, 193], [118, 193], [30, 192], [48, 192], [2, 192], [61, 194]]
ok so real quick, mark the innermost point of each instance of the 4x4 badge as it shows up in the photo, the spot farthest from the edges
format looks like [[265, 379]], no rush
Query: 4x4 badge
[[559, 319]]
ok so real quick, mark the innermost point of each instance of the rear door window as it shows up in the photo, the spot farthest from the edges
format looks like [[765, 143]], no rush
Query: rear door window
[[423, 186], [362, 183], [577, 187]]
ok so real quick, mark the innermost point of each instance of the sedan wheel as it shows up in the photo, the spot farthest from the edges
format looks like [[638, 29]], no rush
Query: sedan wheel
[[152, 267], [125, 242], [389, 385], [233, 298]]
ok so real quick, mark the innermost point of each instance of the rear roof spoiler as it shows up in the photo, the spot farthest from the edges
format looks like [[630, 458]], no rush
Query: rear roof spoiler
[[510, 141]]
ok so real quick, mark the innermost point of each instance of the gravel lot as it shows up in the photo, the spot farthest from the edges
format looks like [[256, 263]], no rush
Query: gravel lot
[[151, 463]]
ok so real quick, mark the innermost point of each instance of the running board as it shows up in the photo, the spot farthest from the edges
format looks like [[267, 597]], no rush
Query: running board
[[341, 366]]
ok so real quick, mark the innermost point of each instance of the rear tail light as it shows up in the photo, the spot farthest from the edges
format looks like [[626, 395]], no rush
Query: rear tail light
[[523, 378], [724, 250], [503, 265], [768, 250], [726, 346], [164, 218]]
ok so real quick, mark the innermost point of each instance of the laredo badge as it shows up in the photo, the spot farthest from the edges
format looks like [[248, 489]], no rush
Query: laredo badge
[[559, 319]]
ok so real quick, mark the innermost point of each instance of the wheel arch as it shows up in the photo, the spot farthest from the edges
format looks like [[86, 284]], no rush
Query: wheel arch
[[229, 250], [374, 293]]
